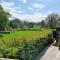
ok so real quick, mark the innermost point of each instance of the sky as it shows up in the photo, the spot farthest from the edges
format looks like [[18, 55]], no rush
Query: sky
[[31, 10]]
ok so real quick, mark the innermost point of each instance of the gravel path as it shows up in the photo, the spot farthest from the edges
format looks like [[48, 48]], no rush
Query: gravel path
[[51, 53]]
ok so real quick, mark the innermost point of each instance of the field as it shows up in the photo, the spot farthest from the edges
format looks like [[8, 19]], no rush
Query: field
[[28, 35], [23, 44]]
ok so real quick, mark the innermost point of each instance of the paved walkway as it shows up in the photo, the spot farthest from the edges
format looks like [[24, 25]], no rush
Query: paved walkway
[[7, 59], [51, 53]]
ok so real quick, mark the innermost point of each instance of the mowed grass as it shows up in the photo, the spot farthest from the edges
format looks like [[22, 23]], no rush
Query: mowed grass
[[27, 35]]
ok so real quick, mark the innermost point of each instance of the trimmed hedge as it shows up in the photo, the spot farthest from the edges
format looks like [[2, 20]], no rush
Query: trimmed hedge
[[30, 29], [4, 32]]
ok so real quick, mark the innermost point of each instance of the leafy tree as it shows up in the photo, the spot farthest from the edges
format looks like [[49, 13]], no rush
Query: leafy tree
[[30, 25], [42, 23], [4, 21], [58, 20], [25, 24], [16, 23], [52, 20]]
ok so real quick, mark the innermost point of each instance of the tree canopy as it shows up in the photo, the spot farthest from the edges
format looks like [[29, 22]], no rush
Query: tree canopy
[[4, 21], [52, 20], [16, 23]]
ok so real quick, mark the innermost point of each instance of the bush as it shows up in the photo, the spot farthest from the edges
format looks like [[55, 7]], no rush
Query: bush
[[23, 49], [29, 29], [26, 50], [4, 32], [1, 35]]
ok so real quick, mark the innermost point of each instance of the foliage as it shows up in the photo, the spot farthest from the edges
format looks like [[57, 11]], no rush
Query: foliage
[[25, 34], [42, 23], [16, 23], [4, 21], [26, 49], [52, 20]]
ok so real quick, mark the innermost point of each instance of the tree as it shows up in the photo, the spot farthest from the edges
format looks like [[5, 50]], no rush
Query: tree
[[4, 21], [25, 23], [52, 20], [30, 25], [42, 23], [58, 20], [16, 23]]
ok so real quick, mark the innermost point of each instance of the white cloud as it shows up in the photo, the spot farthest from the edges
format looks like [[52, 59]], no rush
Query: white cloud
[[24, 1], [37, 5], [36, 17], [30, 17], [10, 7], [30, 8], [7, 5], [50, 11]]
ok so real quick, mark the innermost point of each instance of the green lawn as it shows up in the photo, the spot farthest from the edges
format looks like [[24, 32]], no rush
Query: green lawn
[[28, 35]]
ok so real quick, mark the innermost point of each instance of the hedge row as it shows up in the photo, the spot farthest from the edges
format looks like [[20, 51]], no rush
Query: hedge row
[[30, 29], [4, 32]]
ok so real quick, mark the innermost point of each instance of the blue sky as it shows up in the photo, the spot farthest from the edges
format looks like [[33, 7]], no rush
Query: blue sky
[[31, 10]]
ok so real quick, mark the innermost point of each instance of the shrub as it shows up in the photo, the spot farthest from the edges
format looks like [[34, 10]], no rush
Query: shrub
[[23, 49], [4, 32]]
